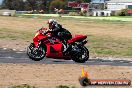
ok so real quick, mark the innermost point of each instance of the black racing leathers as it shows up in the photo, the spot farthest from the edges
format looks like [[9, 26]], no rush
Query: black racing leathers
[[61, 33]]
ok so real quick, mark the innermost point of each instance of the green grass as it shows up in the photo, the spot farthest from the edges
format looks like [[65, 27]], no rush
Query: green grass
[[106, 45], [111, 18], [64, 86], [22, 86], [15, 34], [28, 86]]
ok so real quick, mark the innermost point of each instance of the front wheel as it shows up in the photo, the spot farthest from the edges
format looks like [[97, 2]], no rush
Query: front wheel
[[82, 56], [34, 53]]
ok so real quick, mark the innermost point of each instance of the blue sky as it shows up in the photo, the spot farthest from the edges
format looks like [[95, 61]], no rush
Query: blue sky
[[0, 1]]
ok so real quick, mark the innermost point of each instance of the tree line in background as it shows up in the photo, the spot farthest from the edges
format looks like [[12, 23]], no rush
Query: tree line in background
[[45, 5]]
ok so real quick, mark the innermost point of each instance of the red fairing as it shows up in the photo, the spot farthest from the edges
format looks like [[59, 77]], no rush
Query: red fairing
[[37, 38], [36, 43], [54, 51], [77, 38], [39, 35]]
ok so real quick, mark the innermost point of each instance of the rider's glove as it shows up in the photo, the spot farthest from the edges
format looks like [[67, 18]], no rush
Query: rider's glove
[[60, 34], [44, 33]]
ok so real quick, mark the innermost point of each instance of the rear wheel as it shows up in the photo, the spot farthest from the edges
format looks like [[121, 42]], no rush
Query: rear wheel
[[82, 56], [34, 53]]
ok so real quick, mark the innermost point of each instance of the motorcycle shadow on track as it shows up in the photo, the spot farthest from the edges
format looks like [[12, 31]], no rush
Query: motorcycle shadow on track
[[11, 56]]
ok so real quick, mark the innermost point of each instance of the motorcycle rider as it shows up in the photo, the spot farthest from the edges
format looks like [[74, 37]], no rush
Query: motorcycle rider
[[59, 32]]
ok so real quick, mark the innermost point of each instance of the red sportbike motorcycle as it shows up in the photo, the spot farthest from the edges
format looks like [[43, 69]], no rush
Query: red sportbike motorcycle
[[45, 45]]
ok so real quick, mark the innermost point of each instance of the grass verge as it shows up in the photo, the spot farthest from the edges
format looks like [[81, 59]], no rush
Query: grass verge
[[108, 46], [64, 86], [93, 19], [11, 34], [22, 86], [102, 19]]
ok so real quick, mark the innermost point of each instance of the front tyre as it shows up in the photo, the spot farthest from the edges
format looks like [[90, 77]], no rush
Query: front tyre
[[82, 56], [34, 53]]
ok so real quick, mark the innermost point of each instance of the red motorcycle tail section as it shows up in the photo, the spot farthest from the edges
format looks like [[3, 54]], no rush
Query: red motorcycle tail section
[[77, 38]]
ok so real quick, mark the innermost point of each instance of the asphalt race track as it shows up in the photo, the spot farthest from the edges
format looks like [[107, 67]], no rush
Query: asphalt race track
[[13, 56]]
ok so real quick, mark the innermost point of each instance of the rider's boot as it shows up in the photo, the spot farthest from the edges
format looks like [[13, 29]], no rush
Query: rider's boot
[[66, 47]]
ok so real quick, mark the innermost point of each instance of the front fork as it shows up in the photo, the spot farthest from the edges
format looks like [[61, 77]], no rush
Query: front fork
[[37, 47]]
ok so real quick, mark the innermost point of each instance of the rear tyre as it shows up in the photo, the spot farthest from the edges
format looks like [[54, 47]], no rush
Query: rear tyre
[[83, 56], [34, 53]]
